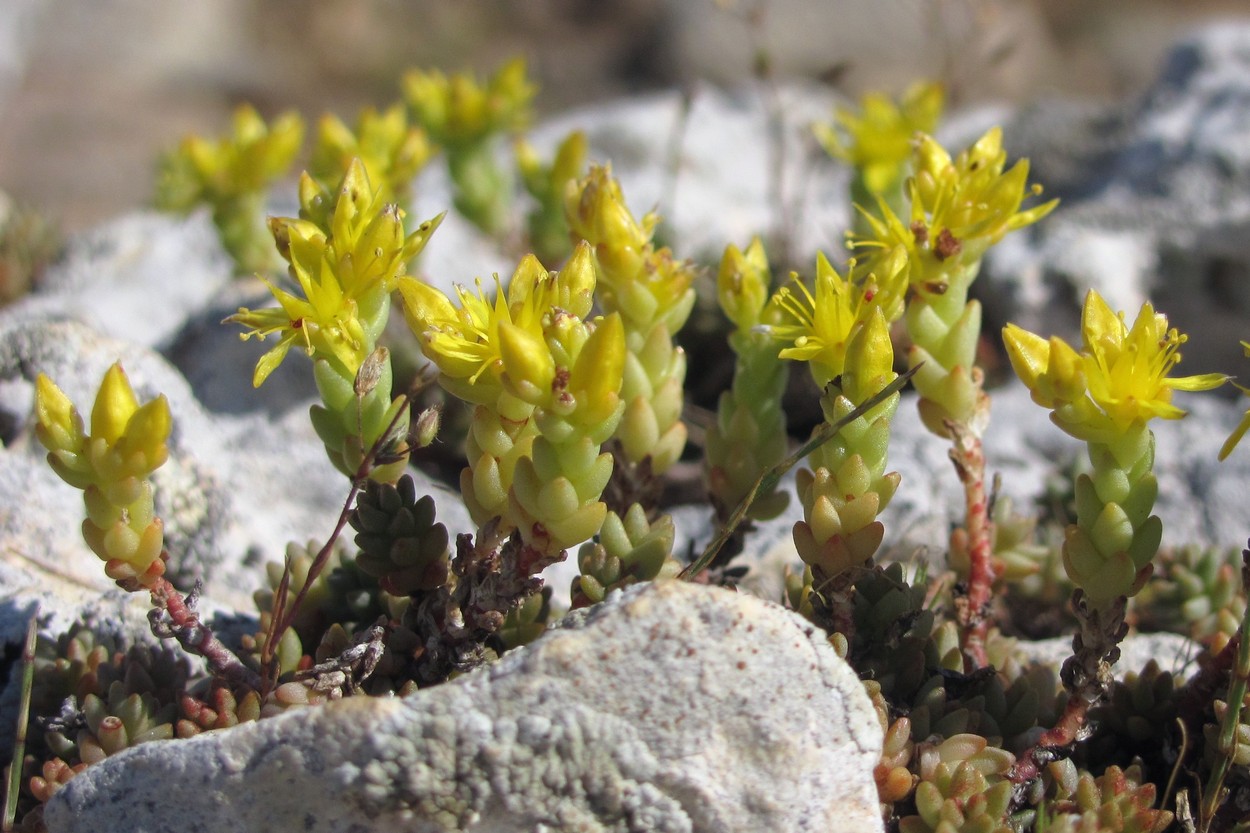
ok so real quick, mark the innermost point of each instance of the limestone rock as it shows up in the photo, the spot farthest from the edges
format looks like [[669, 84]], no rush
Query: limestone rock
[[671, 707]]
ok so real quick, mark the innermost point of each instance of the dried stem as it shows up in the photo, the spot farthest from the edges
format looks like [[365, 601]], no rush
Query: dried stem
[[173, 616], [493, 575], [834, 603], [968, 455], [1086, 675]]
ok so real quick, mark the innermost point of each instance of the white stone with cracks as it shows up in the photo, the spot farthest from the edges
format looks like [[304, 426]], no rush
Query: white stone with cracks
[[671, 707]]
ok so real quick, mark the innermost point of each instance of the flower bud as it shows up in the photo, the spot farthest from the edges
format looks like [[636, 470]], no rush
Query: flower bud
[[115, 403]]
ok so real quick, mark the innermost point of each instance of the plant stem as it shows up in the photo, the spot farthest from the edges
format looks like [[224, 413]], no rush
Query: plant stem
[[284, 614], [769, 479], [1087, 677], [1213, 794], [968, 455], [13, 773], [193, 635]]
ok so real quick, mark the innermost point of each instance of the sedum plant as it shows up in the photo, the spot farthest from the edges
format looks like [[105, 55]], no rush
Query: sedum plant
[[841, 331], [876, 141], [959, 207], [545, 380], [463, 116], [652, 292], [1106, 394], [345, 263], [575, 381], [230, 175], [749, 435]]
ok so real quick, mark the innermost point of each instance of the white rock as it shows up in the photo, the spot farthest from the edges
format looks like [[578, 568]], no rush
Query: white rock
[[671, 707]]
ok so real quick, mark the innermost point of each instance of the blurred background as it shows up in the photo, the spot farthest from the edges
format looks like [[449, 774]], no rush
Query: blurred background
[[91, 91]]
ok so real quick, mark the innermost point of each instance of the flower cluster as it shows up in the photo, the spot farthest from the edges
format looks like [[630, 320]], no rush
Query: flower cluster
[[1119, 379], [877, 140], [346, 262], [230, 175], [392, 150], [545, 379], [463, 115], [111, 465], [1105, 395]]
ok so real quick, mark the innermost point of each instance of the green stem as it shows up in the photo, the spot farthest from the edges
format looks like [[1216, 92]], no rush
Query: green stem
[[481, 187], [241, 222], [1213, 794]]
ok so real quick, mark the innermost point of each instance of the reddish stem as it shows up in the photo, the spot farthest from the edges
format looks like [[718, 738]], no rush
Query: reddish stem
[[193, 635], [1087, 677], [968, 455]]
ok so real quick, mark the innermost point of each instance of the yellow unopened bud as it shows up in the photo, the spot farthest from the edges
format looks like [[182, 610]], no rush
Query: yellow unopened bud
[[869, 358], [58, 423], [114, 405], [576, 282], [595, 381], [528, 291], [146, 433], [1051, 370], [742, 284], [528, 366], [1029, 355], [597, 213]]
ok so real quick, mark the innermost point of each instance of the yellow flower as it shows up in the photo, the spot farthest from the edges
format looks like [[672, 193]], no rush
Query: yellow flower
[[819, 327], [742, 284], [877, 140], [460, 110], [246, 161], [468, 340], [324, 321], [127, 440], [346, 266], [1119, 378], [392, 150], [959, 208], [461, 341], [596, 213]]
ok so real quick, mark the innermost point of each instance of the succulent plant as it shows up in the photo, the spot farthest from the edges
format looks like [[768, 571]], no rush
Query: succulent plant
[[93, 699], [1118, 801], [1196, 591], [1140, 714], [220, 708], [625, 551], [525, 622], [401, 546], [895, 780], [962, 789], [893, 630]]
